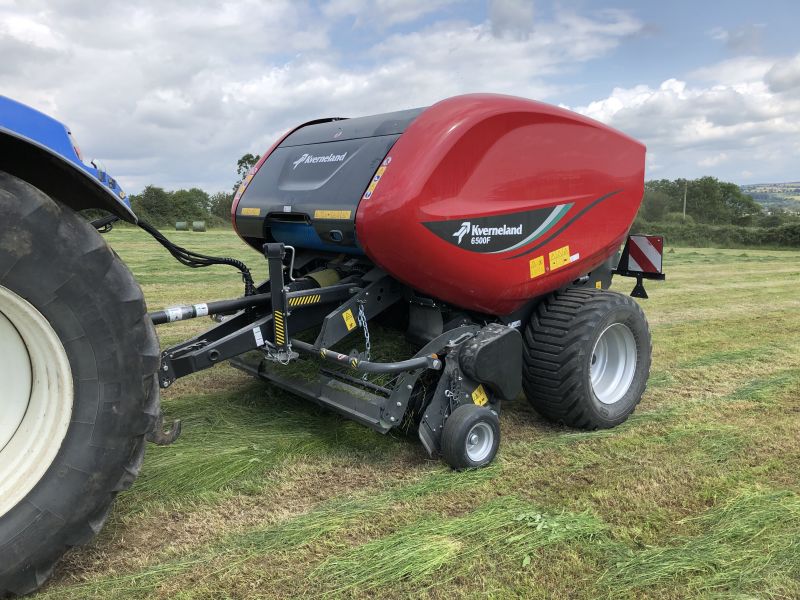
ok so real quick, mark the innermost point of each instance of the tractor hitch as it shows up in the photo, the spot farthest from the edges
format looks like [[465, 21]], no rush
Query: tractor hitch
[[158, 436]]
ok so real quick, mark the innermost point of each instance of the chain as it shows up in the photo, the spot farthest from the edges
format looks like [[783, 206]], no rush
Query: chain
[[272, 354], [362, 320]]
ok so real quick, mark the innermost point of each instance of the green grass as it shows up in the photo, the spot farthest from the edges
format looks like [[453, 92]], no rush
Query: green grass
[[745, 542], [505, 531], [267, 496]]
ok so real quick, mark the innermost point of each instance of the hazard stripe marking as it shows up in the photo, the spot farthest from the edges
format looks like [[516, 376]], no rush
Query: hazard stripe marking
[[280, 333], [641, 261], [644, 255], [648, 247], [305, 300]]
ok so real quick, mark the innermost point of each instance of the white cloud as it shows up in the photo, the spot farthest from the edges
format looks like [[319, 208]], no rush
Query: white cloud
[[382, 13], [726, 126], [740, 40], [734, 70], [511, 17], [784, 76], [714, 160], [173, 93]]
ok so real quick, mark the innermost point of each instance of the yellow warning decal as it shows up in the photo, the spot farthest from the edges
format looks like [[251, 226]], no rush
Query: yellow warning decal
[[251, 211], [349, 321], [537, 267], [598, 285], [559, 258], [333, 214], [280, 329], [479, 396], [374, 183], [304, 300]]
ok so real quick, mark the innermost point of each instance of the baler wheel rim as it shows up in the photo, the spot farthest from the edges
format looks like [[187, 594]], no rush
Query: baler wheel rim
[[613, 363], [479, 442]]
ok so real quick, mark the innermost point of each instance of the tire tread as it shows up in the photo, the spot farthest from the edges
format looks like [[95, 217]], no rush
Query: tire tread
[[113, 279], [554, 342]]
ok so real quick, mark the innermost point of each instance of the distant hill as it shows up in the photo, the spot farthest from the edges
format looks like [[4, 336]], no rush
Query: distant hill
[[775, 195]]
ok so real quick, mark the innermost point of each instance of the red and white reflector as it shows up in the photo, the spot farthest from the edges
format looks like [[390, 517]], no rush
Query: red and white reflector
[[645, 253]]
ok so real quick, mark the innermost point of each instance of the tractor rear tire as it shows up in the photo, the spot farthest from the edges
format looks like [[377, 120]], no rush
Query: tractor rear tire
[[79, 387], [587, 357]]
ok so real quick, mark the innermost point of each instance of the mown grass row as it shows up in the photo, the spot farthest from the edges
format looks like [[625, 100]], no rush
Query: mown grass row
[[695, 496]]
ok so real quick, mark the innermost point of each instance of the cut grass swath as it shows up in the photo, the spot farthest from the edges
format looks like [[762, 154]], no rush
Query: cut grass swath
[[506, 530], [747, 542], [231, 550]]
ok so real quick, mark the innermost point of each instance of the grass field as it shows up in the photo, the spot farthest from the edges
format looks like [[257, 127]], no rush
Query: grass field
[[264, 495]]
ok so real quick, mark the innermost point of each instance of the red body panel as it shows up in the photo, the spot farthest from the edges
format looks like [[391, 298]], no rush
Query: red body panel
[[484, 155]]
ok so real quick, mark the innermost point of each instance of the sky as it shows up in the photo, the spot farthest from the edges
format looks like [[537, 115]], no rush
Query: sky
[[172, 93]]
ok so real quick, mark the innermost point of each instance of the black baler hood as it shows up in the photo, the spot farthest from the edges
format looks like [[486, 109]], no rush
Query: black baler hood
[[306, 193]]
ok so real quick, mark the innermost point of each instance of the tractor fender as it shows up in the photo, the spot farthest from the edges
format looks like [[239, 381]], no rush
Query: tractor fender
[[57, 176]]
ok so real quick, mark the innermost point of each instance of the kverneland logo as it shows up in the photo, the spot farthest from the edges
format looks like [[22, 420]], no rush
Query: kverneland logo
[[325, 158], [482, 235]]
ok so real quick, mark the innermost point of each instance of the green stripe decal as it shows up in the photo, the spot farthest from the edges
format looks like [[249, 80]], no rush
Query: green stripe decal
[[555, 216]]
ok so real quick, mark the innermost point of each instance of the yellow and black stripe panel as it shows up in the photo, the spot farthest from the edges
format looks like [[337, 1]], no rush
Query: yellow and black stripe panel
[[304, 300], [280, 328]]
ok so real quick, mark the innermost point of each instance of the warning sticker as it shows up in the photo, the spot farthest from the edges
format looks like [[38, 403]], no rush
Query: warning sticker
[[559, 258], [250, 211], [374, 183], [349, 321], [537, 267], [598, 284], [332, 214], [479, 396]]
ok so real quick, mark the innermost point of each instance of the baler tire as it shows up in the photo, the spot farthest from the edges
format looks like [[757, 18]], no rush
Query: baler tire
[[559, 346], [52, 260], [465, 419]]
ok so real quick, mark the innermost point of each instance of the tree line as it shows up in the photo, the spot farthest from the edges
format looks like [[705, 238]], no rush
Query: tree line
[[164, 208], [716, 212], [709, 201]]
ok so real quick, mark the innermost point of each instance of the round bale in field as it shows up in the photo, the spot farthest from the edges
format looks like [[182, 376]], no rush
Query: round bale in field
[[181, 226], [198, 225]]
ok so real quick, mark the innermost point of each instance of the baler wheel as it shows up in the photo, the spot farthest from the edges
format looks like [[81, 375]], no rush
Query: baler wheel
[[78, 363], [470, 437], [587, 357]]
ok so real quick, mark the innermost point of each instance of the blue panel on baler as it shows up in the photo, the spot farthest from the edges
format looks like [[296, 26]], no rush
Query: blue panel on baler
[[303, 235]]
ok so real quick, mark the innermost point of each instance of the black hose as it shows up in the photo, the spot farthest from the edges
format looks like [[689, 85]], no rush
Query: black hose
[[196, 260]]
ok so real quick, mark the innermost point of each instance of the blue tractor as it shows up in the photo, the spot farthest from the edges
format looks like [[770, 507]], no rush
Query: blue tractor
[[78, 353]]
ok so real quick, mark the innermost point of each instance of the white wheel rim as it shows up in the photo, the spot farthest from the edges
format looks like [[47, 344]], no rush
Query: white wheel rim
[[37, 396], [613, 363], [480, 440]]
